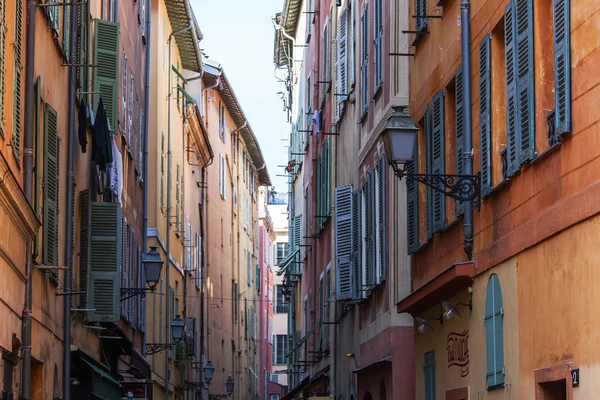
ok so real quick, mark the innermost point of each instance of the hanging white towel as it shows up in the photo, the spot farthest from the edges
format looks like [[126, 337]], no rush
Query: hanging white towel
[[116, 173], [317, 118]]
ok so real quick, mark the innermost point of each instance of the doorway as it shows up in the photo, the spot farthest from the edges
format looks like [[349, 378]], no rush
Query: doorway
[[553, 390], [458, 394]]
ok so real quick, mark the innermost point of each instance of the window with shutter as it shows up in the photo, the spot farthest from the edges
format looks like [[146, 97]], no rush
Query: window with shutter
[[429, 371], [342, 70], [235, 302], [438, 159], [18, 81], [460, 131], [66, 34], [494, 333], [485, 113], [84, 241], [351, 45], [421, 10], [106, 55], [124, 263], [130, 117], [525, 81], [54, 16], [562, 65], [343, 240], [82, 47], [3, 29], [512, 148], [428, 131], [132, 271], [324, 75], [381, 185], [124, 92], [412, 205], [249, 266], [378, 39], [369, 229], [104, 260], [364, 73], [51, 190], [356, 256]]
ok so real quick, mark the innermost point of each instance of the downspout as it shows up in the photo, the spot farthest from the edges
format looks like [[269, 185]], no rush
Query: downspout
[[202, 278], [27, 186], [465, 16], [70, 206], [168, 233], [145, 156]]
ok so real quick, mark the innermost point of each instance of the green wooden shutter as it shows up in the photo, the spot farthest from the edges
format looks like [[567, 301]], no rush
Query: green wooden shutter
[[562, 65], [106, 74], [438, 160], [381, 206], [298, 233], [494, 333], [66, 34], [378, 39], [428, 131], [355, 273], [258, 280], [460, 131], [3, 29], [124, 246], [412, 205], [364, 72], [429, 370], [343, 240], [485, 113], [84, 241], [51, 190], [104, 258], [512, 147], [18, 81], [525, 81]]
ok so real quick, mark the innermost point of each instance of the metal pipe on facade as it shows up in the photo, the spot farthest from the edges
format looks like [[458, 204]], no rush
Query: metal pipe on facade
[[70, 207], [27, 187], [168, 233], [145, 155], [465, 17]]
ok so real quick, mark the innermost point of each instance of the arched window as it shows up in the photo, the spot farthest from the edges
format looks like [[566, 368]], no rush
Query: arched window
[[494, 333]]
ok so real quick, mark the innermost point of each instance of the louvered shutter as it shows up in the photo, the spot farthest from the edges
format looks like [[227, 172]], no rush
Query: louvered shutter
[[562, 65], [324, 76], [438, 160], [132, 270], [51, 190], [298, 232], [485, 114], [104, 259], [494, 332], [318, 191], [460, 132], [106, 75], [429, 371], [129, 121], [512, 147], [249, 267], [356, 261], [124, 87], [368, 190], [343, 240], [351, 45], [364, 72], [525, 82], [428, 131], [66, 34], [342, 72], [18, 81], [3, 29], [412, 205], [143, 21], [124, 262], [84, 241], [381, 207], [378, 38]]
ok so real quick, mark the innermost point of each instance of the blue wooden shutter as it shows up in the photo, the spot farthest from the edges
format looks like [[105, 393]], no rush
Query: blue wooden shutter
[[104, 259], [51, 189], [364, 72], [421, 9], [525, 82], [512, 147], [342, 68], [368, 207], [412, 205], [18, 81], [378, 39], [351, 45], [356, 276], [343, 240], [562, 65], [429, 370], [494, 333], [485, 113], [460, 131], [106, 75], [428, 131], [438, 159], [381, 207]]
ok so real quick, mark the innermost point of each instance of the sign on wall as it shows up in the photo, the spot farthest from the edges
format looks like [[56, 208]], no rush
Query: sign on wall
[[458, 351]]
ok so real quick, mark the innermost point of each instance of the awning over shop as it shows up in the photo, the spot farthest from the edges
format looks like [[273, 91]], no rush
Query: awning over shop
[[285, 264], [373, 365], [454, 279], [104, 386]]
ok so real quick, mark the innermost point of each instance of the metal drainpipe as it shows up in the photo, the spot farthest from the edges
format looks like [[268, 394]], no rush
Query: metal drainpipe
[[465, 17], [145, 156], [204, 260], [27, 187], [70, 209], [168, 233]]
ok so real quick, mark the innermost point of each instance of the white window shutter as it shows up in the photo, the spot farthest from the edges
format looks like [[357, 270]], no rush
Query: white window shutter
[[342, 62], [343, 240]]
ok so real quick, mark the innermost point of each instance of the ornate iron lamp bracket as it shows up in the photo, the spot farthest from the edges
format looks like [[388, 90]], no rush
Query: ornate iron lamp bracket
[[153, 348], [127, 293]]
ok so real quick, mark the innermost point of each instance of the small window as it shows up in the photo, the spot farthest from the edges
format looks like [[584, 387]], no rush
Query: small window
[[494, 333]]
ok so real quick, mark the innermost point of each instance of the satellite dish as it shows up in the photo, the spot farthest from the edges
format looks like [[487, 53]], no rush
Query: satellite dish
[[450, 310], [424, 325]]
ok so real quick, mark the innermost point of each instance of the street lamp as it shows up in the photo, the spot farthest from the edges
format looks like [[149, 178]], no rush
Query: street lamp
[[177, 328], [228, 388], [400, 140], [229, 385], [152, 265], [209, 369]]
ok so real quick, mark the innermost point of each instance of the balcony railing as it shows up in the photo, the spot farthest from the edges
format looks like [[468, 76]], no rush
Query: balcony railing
[[282, 308]]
